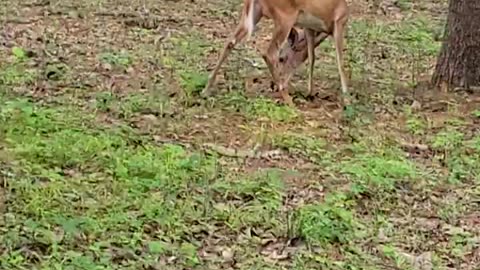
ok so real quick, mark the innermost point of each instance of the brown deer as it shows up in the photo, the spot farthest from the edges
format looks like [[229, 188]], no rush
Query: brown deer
[[318, 19]]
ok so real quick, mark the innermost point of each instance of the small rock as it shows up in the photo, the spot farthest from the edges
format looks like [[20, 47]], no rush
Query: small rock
[[107, 66], [416, 105], [381, 236], [428, 224], [130, 70], [149, 117], [423, 262], [279, 255], [227, 255]]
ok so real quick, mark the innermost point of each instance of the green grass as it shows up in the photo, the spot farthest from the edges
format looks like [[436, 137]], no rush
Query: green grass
[[329, 222], [102, 162], [260, 109], [82, 182]]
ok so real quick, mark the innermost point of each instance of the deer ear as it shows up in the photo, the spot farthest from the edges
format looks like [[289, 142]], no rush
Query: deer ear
[[292, 37]]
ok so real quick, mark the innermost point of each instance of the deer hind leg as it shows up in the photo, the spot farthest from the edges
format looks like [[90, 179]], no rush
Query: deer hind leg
[[251, 15], [310, 37], [282, 28], [338, 34]]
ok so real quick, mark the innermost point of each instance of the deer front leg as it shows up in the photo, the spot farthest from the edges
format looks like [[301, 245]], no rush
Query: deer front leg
[[338, 34], [251, 15], [227, 49], [271, 57]]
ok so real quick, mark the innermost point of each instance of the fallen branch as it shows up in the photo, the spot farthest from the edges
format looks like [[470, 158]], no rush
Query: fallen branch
[[116, 14], [236, 153], [20, 21], [162, 141], [224, 151]]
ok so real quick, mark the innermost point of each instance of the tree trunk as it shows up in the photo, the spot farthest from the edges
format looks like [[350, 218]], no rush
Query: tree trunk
[[458, 64]]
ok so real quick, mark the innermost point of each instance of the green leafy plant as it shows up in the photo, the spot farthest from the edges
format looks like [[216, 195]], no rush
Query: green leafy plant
[[329, 222], [19, 53], [265, 108], [119, 59], [373, 173]]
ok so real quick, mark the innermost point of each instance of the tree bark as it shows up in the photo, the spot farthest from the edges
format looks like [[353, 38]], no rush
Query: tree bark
[[458, 63]]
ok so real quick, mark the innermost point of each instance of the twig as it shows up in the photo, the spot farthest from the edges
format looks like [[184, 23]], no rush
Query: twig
[[20, 21], [229, 152], [225, 151], [160, 140], [115, 14], [236, 153]]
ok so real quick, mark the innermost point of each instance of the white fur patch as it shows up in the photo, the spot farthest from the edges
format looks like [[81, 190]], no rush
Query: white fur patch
[[249, 23]]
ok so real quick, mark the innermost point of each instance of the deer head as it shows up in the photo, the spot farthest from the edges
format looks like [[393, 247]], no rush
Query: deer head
[[294, 52]]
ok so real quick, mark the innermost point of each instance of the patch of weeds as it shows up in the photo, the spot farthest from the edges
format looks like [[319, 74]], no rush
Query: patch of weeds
[[297, 143], [455, 122], [349, 112], [329, 222], [121, 59], [450, 212], [234, 101], [474, 143], [382, 225], [16, 74], [358, 114], [461, 242], [419, 34], [262, 108], [404, 4], [448, 140], [463, 168], [28, 118], [148, 103], [51, 138], [415, 124], [21, 54], [75, 179], [250, 200], [391, 41], [453, 151], [169, 168], [400, 260], [104, 101], [184, 56], [259, 108], [129, 105], [376, 171], [193, 82], [189, 252], [476, 113]]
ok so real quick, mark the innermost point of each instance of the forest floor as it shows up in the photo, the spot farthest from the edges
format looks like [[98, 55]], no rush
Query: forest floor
[[109, 159]]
